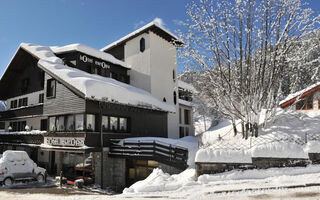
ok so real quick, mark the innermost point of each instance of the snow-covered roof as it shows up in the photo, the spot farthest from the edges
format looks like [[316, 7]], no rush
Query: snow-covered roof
[[138, 31], [300, 93], [186, 86], [93, 86], [89, 51]]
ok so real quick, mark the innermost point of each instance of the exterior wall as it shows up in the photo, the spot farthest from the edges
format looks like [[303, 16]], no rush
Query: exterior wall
[[114, 171], [33, 98], [163, 62], [64, 102], [315, 111], [142, 122], [181, 121], [139, 61], [32, 122]]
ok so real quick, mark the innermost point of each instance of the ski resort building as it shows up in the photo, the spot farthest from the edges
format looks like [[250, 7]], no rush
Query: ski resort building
[[69, 106]]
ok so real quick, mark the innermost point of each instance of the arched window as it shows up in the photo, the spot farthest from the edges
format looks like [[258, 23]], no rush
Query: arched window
[[174, 97], [142, 44], [164, 99]]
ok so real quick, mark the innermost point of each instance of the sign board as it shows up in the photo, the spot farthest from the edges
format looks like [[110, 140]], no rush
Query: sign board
[[86, 59], [64, 141]]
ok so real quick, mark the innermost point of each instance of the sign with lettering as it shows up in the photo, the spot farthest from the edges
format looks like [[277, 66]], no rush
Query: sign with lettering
[[64, 141], [102, 64]]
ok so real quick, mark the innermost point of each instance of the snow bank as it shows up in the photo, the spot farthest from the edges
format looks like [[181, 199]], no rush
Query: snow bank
[[258, 173], [95, 86], [159, 181], [312, 147], [210, 155], [279, 150], [189, 142], [32, 132]]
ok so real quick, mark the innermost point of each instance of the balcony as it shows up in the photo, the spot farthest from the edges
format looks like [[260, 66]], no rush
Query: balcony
[[23, 111], [19, 138]]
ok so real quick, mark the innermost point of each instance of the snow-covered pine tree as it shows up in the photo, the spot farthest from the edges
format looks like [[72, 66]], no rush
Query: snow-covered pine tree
[[244, 50]]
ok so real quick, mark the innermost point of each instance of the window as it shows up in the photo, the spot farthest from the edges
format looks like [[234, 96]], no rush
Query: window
[[23, 102], [186, 116], [70, 123], [180, 117], [142, 44], [114, 123], [174, 97], [60, 123], [43, 124], [305, 104], [41, 98], [14, 104], [123, 124], [181, 132], [113, 75], [164, 99], [79, 122], [105, 123], [174, 75], [51, 88], [90, 122], [52, 124], [186, 132]]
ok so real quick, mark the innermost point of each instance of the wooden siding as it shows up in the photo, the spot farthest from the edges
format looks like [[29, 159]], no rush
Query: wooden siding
[[142, 122], [65, 101], [22, 67]]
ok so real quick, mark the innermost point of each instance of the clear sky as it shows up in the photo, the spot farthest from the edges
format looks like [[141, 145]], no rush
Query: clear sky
[[95, 23]]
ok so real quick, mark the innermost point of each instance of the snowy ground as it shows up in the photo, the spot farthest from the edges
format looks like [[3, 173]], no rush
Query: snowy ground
[[274, 183]]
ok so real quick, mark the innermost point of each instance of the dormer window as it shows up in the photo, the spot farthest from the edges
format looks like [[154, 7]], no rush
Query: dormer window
[[142, 44]]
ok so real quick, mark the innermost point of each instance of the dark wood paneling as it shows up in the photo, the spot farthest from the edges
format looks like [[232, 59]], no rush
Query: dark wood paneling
[[23, 138], [142, 122], [23, 66], [33, 110], [64, 102]]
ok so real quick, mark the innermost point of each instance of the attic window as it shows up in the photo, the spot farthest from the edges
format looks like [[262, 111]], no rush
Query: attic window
[[142, 45]]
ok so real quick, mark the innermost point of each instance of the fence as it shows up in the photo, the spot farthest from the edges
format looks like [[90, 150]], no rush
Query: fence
[[223, 143], [150, 150]]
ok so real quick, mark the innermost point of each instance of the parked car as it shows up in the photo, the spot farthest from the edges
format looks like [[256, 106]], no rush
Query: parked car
[[16, 165]]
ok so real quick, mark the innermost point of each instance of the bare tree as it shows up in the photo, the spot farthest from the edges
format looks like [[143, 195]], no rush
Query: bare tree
[[241, 50]]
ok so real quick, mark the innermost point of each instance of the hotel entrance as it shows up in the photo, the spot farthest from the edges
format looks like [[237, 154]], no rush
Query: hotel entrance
[[139, 170]]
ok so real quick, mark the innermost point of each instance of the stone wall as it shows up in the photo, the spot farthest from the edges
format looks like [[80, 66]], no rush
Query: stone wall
[[114, 171], [257, 163], [169, 169]]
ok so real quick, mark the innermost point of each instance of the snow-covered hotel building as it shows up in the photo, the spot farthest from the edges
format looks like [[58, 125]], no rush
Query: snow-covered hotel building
[[67, 101]]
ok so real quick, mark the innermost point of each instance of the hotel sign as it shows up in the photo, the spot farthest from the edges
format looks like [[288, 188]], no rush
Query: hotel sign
[[64, 141], [86, 59]]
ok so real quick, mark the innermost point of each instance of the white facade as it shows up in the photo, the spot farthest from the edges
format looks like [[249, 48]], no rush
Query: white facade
[[33, 99], [152, 70]]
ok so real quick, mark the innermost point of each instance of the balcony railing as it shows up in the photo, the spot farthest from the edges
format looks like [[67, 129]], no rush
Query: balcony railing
[[24, 111]]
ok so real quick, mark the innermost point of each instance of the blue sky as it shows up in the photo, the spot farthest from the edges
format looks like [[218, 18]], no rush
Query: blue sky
[[95, 23]]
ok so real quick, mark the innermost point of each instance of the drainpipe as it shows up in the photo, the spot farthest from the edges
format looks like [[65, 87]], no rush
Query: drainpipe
[[101, 143]]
